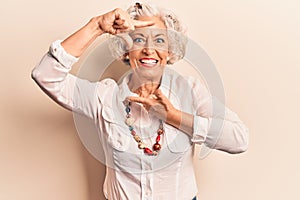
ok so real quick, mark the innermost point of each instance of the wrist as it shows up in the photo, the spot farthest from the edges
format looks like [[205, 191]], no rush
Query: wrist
[[174, 117], [58, 51], [96, 24], [181, 120]]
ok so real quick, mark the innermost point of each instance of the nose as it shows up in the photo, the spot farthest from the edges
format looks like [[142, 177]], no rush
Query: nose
[[148, 48]]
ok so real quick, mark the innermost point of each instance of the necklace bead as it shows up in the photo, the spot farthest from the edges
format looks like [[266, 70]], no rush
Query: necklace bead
[[156, 147], [127, 109], [133, 132], [141, 145], [148, 151], [130, 128], [137, 138], [157, 138], [160, 131], [129, 121]]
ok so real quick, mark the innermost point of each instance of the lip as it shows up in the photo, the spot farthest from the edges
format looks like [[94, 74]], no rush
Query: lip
[[148, 62]]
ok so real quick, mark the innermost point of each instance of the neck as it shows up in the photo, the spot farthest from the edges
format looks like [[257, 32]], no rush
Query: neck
[[144, 88]]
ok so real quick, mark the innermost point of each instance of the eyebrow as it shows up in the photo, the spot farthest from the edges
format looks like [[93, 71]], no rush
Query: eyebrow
[[159, 34], [138, 34]]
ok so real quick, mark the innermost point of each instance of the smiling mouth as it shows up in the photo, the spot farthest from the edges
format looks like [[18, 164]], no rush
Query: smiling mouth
[[148, 61]]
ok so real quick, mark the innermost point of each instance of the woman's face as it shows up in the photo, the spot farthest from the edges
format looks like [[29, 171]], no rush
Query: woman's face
[[150, 46]]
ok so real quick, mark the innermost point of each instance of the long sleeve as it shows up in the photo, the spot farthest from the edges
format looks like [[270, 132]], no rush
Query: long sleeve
[[216, 125], [52, 75]]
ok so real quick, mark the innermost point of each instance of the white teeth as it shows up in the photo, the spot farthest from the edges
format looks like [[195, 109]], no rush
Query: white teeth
[[146, 61]]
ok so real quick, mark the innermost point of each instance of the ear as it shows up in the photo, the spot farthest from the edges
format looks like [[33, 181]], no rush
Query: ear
[[169, 58], [126, 56]]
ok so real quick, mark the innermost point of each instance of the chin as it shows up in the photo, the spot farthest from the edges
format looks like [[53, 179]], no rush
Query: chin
[[153, 74]]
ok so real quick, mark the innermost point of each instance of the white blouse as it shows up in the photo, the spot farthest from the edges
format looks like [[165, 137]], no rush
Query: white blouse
[[130, 174]]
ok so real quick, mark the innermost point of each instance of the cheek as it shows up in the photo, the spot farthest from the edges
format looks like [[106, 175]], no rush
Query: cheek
[[163, 56], [133, 55]]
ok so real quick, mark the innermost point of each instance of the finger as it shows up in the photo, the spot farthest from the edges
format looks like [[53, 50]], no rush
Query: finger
[[122, 26], [139, 24], [153, 96], [119, 21], [141, 100], [112, 30], [159, 94], [163, 99], [125, 27], [123, 17]]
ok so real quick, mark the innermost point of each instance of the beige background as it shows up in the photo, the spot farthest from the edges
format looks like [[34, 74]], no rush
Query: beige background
[[255, 46]]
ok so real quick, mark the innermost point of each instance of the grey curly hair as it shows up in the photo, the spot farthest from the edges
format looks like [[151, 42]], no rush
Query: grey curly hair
[[175, 31]]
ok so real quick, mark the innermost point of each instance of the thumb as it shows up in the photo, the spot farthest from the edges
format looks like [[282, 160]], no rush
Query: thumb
[[159, 94]]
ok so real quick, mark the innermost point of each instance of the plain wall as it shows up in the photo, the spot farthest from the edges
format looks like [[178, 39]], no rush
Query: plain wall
[[255, 46]]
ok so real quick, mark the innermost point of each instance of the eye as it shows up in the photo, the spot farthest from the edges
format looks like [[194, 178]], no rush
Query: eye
[[160, 40], [138, 40]]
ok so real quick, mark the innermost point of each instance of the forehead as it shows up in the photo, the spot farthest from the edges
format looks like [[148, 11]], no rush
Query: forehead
[[158, 28], [152, 32]]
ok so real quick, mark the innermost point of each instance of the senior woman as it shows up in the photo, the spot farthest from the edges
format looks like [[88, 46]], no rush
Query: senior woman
[[148, 123]]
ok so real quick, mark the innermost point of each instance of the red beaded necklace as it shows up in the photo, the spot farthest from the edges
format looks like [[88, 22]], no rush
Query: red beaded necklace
[[141, 145]]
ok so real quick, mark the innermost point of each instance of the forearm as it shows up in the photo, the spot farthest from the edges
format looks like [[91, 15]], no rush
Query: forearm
[[79, 41], [181, 120], [228, 134]]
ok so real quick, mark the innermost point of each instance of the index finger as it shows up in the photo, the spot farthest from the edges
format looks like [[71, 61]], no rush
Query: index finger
[[159, 94], [140, 24], [138, 100]]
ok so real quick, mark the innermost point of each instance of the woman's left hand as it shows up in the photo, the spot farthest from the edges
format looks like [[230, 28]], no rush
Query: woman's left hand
[[161, 107], [156, 103]]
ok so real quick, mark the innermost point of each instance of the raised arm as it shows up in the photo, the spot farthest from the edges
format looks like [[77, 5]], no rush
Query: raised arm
[[52, 73]]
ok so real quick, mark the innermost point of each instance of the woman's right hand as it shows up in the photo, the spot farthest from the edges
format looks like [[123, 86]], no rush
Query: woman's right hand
[[113, 22], [119, 21]]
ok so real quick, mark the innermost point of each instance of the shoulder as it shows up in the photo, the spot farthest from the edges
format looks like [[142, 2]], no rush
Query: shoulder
[[106, 89]]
